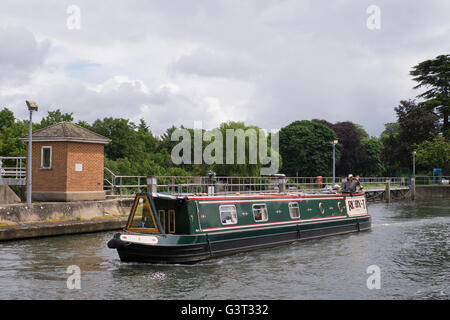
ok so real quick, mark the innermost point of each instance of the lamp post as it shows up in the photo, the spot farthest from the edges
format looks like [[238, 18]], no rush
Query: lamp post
[[413, 180], [32, 106], [334, 143]]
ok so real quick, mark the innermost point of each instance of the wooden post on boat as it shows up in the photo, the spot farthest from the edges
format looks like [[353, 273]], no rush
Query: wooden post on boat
[[387, 191], [152, 184]]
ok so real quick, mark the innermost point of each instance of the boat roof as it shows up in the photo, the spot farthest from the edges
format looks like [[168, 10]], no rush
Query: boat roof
[[170, 196]]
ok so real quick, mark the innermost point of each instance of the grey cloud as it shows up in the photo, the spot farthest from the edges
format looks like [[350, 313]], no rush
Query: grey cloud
[[304, 59], [207, 63], [20, 54]]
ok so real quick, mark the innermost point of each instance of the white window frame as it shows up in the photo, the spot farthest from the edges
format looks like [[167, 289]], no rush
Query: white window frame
[[265, 209], [226, 208], [42, 157], [291, 206]]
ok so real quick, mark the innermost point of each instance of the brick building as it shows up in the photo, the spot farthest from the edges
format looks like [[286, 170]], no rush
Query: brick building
[[67, 164]]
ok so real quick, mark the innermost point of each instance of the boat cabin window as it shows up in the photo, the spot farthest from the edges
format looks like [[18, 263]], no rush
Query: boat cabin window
[[294, 210], [171, 221], [162, 218], [142, 219], [260, 212], [228, 214], [167, 220]]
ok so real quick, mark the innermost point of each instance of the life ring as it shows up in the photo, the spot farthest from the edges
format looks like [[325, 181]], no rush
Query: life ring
[[321, 209]]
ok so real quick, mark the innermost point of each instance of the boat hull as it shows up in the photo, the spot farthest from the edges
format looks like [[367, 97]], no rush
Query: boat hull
[[194, 248]]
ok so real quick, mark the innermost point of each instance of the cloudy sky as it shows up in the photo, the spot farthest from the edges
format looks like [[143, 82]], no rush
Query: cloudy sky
[[173, 62]]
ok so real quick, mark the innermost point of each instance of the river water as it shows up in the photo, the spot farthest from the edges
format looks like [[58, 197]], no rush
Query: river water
[[409, 243]]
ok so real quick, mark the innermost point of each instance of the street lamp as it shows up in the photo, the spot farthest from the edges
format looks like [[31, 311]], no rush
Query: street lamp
[[413, 180], [32, 106], [334, 143]]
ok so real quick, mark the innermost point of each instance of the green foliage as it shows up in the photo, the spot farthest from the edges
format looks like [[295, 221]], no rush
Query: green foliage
[[390, 152], [305, 147], [434, 75], [370, 163], [250, 167], [54, 117], [349, 137], [434, 154], [11, 131], [414, 126]]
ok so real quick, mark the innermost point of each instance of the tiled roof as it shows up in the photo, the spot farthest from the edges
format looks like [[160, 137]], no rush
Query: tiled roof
[[67, 131]]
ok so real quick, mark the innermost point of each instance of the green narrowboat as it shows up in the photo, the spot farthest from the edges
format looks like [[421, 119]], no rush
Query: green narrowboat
[[167, 228]]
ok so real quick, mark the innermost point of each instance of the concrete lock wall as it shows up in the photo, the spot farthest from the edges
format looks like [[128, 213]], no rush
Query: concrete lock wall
[[8, 196], [432, 192], [57, 211]]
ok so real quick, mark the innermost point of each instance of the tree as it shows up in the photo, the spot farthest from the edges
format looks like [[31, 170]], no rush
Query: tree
[[236, 163], [305, 147], [414, 126], [390, 152], [434, 154], [11, 130], [370, 163], [434, 75], [349, 136], [54, 117], [123, 135]]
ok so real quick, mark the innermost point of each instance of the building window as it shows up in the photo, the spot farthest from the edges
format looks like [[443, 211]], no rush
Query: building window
[[228, 214], [46, 157], [294, 210], [260, 212]]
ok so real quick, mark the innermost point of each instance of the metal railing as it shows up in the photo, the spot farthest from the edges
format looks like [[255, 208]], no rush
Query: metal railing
[[13, 170], [130, 185]]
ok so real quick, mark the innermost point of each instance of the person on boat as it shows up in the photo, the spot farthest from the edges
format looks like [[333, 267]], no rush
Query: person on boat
[[358, 184], [146, 218], [350, 184]]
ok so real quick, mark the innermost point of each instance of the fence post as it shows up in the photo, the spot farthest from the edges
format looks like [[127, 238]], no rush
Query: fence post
[[120, 188], [387, 191], [152, 184], [413, 188], [282, 183]]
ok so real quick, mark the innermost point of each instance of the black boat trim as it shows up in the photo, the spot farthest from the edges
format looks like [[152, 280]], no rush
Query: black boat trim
[[211, 248]]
